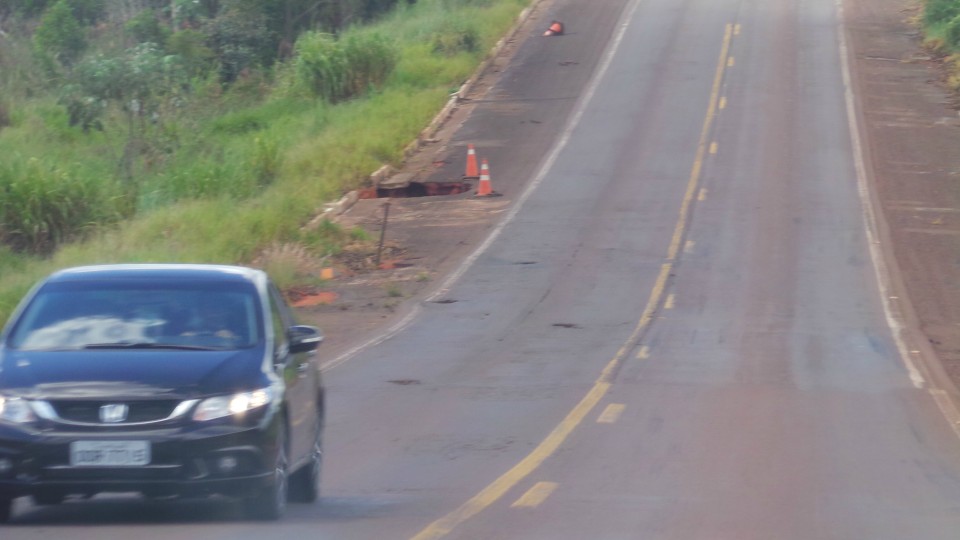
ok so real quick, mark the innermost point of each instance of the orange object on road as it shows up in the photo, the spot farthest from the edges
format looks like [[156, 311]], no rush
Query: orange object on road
[[485, 189], [471, 171], [556, 29]]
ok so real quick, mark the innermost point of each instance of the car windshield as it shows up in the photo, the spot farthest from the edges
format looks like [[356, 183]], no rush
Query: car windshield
[[88, 315]]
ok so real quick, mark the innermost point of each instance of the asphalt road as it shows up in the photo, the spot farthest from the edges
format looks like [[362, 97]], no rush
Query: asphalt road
[[677, 331]]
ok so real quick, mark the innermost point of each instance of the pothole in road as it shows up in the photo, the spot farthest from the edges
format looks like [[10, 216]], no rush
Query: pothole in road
[[415, 189]]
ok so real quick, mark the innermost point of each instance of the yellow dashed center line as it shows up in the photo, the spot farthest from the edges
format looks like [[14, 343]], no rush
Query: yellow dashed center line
[[723, 103], [643, 353], [671, 301], [730, 62], [535, 495], [611, 414], [508, 480], [688, 247], [713, 148]]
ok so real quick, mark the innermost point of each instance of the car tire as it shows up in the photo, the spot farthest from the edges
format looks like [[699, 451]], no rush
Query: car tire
[[270, 503], [305, 483]]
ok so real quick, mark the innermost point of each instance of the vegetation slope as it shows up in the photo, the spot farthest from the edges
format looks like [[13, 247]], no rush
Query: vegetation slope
[[211, 130]]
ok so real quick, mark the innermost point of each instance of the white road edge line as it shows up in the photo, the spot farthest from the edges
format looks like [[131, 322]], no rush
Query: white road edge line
[[869, 217], [541, 175]]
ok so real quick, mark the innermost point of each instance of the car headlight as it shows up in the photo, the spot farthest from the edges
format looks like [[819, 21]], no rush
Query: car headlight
[[235, 405], [16, 410]]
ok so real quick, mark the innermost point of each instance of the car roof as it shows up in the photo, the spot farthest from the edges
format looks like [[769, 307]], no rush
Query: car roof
[[194, 272]]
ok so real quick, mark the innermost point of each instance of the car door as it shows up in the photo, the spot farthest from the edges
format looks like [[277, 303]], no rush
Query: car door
[[299, 372]]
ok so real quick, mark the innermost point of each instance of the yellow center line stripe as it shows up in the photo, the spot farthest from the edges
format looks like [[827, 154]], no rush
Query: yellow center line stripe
[[499, 487], [644, 353], [535, 495], [671, 301], [611, 414], [694, 180]]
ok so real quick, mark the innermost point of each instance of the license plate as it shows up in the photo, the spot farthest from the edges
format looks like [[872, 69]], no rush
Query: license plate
[[109, 453]]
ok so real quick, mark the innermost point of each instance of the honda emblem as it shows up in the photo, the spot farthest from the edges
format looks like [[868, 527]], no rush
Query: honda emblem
[[114, 413]]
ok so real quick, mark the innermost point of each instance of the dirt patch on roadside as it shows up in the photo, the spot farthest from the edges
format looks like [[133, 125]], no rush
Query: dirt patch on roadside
[[912, 133]]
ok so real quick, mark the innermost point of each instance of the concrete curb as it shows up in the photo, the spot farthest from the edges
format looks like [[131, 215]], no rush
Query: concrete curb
[[331, 210]]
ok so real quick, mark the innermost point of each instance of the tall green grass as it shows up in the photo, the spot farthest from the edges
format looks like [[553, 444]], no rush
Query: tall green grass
[[337, 69], [941, 20], [236, 171], [41, 206]]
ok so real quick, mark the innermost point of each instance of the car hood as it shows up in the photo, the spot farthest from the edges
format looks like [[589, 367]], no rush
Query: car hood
[[113, 374]]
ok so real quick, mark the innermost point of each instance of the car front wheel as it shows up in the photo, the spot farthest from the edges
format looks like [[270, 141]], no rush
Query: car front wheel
[[305, 483], [269, 504]]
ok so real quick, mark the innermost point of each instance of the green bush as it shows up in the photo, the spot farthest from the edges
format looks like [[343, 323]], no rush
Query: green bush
[[952, 32], [337, 70], [940, 11], [146, 28], [59, 35], [88, 11], [371, 59], [456, 38], [190, 46], [43, 206], [239, 123], [265, 161]]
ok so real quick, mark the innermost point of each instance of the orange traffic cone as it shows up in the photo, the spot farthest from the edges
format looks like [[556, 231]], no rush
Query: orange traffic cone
[[556, 29], [471, 172], [484, 189]]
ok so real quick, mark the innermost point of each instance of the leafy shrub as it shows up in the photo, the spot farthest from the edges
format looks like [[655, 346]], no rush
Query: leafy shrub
[[371, 59], [25, 8], [146, 28], [88, 11], [135, 80], [241, 39], [82, 111], [190, 46], [59, 35]]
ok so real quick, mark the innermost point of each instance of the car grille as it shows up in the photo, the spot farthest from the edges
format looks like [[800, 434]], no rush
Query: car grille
[[88, 412]]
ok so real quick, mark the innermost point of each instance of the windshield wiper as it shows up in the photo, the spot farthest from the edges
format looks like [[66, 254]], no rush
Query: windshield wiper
[[146, 345]]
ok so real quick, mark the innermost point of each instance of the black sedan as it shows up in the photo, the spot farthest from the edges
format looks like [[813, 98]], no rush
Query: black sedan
[[168, 380]]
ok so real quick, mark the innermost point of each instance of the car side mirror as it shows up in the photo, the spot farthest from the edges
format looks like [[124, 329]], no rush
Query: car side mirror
[[304, 338]]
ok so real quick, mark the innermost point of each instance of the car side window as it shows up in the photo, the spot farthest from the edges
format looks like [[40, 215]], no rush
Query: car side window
[[281, 321]]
